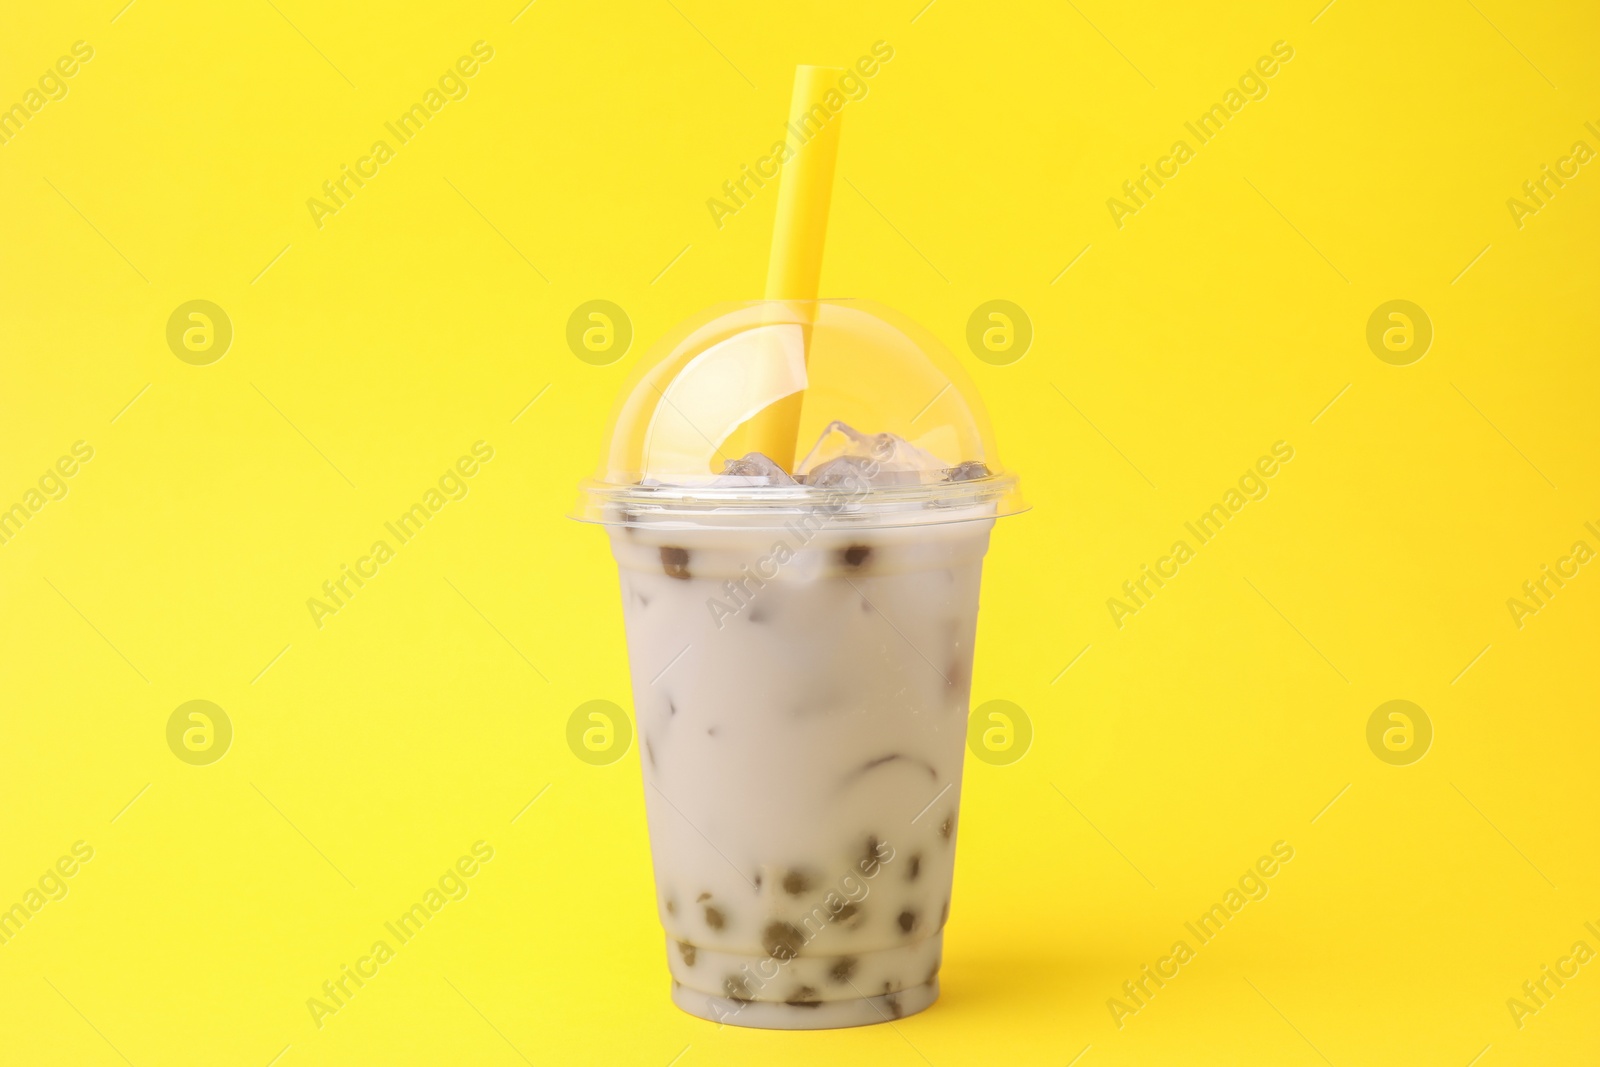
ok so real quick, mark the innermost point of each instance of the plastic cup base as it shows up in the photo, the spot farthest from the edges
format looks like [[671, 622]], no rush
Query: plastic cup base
[[821, 1015]]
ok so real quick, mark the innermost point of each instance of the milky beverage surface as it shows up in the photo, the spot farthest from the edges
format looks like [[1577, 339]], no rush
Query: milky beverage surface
[[801, 694]]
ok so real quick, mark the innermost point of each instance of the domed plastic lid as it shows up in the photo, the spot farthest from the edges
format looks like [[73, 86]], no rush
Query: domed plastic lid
[[752, 413]]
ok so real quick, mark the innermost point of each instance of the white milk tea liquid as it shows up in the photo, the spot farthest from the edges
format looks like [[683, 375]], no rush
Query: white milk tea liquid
[[801, 695]]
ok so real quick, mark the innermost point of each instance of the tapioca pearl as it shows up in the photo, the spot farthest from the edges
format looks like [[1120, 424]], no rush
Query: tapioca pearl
[[782, 940], [907, 920], [737, 987], [795, 883], [842, 969], [948, 826], [849, 915], [870, 857], [675, 561], [688, 952], [715, 918], [955, 675], [881, 761], [672, 906], [703, 897], [914, 867], [804, 997], [893, 1004], [650, 753], [855, 556], [944, 914]]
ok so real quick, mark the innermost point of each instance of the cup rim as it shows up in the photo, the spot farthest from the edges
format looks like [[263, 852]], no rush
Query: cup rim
[[761, 506]]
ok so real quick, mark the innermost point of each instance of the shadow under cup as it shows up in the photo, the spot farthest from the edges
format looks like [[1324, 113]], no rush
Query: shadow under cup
[[801, 693]]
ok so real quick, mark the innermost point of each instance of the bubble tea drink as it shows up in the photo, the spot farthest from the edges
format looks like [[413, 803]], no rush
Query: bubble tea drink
[[801, 650], [800, 628]]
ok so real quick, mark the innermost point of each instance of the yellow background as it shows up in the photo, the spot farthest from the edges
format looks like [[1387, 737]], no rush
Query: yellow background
[[1226, 315]]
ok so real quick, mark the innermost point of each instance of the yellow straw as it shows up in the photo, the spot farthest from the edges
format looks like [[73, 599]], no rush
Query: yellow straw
[[804, 194]]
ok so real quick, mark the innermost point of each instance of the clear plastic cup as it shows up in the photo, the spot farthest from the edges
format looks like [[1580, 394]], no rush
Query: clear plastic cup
[[801, 651]]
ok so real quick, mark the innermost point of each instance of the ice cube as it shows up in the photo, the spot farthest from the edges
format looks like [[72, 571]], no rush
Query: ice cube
[[753, 469], [883, 458], [857, 473], [969, 471]]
